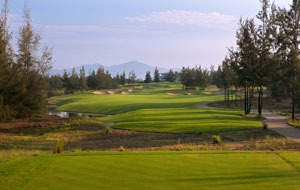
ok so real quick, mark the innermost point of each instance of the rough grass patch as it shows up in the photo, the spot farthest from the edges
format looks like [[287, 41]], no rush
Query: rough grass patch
[[59, 148], [122, 149], [294, 123], [217, 139], [108, 130]]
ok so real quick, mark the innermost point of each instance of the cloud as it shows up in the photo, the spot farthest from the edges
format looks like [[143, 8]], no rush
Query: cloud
[[96, 29], [183, 18]]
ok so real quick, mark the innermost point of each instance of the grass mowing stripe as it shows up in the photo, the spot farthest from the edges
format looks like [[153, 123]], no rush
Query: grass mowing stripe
[[184, 120], [165, 170], [17, 174], [294, 162]]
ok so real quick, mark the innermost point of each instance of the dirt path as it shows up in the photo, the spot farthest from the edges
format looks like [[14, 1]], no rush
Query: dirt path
[[275, 122], [279, 124]]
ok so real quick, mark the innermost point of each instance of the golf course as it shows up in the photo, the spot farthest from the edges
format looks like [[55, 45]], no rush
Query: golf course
[[149, 95], [157, 110]]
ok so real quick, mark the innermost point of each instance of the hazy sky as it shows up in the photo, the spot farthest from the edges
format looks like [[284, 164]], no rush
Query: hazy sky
[[165, 33]]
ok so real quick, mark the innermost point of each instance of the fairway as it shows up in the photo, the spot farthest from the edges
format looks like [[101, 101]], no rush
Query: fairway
[[154, 170], [121, 103], [155, 110]]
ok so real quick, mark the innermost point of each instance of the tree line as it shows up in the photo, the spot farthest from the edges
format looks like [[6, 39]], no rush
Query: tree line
[[169, 76], [22, 72], [72, 82], [96, 80], [266, 56], [101, 79]]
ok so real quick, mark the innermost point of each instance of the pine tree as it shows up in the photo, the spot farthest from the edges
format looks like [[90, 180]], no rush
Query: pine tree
[[293, 34], [132, 77], [148, 78], [74, 80], [264, 45], [123, 78], [170, 76], [156, 75], [34, 68], [55, 82], [82, 80], [244, 60], [8, 87], [92, 81], [66, 81]]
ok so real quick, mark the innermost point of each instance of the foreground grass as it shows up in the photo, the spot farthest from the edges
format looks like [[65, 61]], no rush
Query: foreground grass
[[155, 170]]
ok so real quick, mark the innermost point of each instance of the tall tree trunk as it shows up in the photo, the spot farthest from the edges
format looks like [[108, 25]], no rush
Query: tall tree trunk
[[232, 96], [236, 91], [228, 95], [250, 97], [293, 105], [245, 100], [260, 100], [225, 96]]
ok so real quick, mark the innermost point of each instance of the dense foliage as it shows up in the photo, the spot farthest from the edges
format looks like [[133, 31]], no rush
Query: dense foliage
[[22, 73], [195, 77], [267, 55]]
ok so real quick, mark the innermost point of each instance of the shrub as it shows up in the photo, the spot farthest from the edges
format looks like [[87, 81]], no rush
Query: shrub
[[77, 150], [217, 139], [149, 140], [178, 141], [265, 124], [122, 149], [59, 148], [108, 130], [200, 133]]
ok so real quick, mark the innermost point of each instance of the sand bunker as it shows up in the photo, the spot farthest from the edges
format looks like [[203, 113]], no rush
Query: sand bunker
[[173, 94], [114, 92], [99, 92], [120, 91]]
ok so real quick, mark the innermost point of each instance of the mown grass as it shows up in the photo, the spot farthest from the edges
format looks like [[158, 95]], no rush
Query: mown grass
[[155, 170], [183, 120], [119, 103], [154, 110]]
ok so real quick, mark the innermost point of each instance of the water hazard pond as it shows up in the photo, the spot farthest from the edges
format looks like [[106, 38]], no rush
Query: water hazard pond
[[65, 114]]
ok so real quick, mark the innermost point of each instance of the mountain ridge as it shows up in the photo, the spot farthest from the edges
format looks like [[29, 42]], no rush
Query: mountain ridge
[[139, 68]]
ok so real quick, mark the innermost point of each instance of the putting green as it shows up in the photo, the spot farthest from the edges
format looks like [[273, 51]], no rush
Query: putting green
[[154, 170]]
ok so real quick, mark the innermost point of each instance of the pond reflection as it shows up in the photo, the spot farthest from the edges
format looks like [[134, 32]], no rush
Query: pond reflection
[[64, 114]]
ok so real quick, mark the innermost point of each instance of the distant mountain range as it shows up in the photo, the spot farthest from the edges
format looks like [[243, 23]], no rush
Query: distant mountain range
[[140, 69]]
